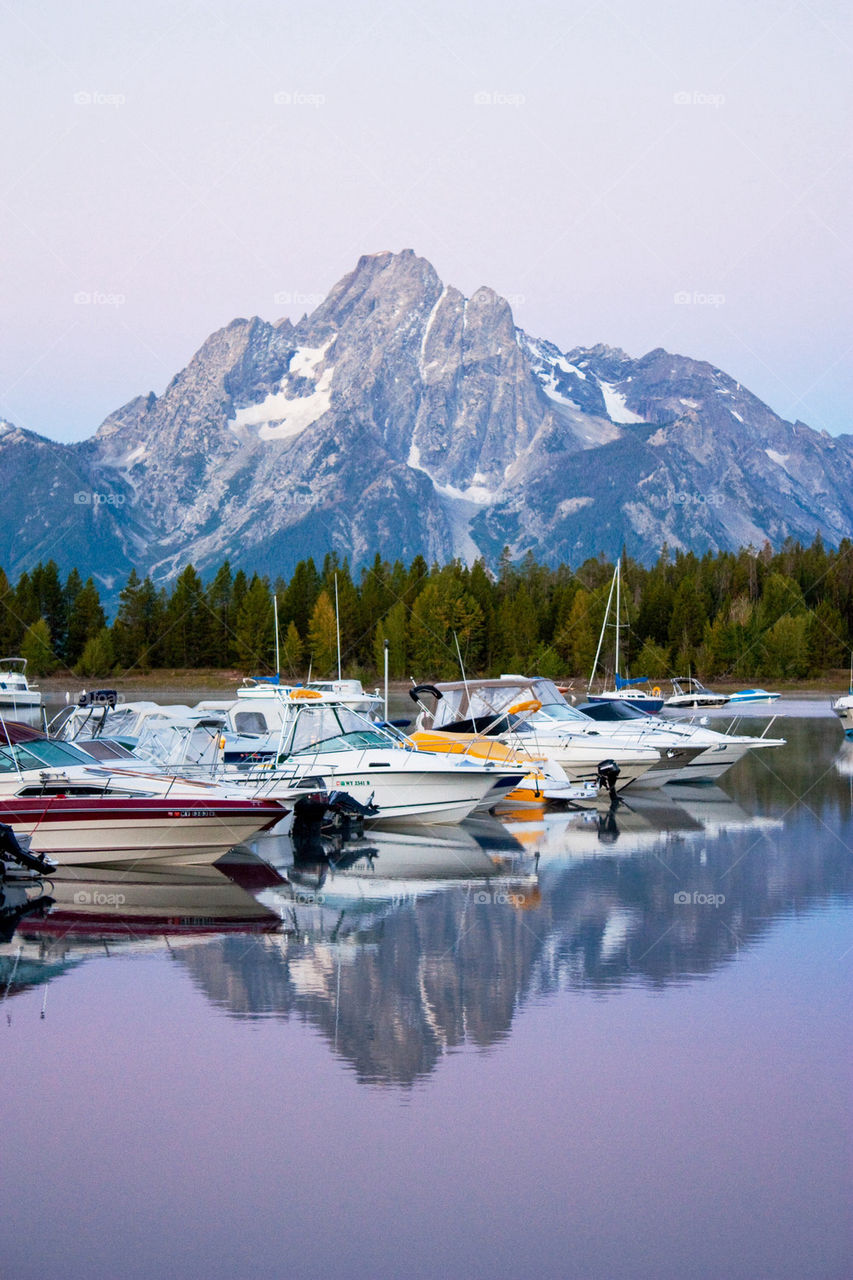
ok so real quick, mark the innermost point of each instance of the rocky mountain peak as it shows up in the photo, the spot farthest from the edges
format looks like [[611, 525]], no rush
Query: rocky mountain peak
[[403, 418]]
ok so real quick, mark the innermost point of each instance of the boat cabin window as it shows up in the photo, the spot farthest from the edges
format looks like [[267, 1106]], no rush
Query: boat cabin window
[[251, 722]]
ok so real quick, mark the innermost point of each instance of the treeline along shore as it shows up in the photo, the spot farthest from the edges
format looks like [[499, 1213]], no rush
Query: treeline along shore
[[785, 615]]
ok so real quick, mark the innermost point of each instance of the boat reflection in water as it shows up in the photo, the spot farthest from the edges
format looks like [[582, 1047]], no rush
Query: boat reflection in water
[[401, 952], [97, 913], [405, 946]]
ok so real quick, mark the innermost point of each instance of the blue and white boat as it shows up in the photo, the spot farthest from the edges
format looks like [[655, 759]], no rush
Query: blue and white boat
[[648, 700], [752, 695]]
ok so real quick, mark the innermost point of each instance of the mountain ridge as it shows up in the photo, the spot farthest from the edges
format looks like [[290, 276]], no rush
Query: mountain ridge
[[402, 418]]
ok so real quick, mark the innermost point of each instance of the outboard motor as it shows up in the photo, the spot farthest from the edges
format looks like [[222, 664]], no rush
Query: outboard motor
[[11, 848], [330, 813], [608, 772]]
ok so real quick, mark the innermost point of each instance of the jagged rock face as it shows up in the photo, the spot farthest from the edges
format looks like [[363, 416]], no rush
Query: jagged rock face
[[403, 418]]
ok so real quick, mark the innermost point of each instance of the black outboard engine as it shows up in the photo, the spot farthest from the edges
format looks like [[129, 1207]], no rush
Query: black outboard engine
[[330, 813], [10, 848], [608, 772]]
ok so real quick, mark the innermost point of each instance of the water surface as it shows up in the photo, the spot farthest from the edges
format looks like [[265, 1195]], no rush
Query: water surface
[[572, 1046]]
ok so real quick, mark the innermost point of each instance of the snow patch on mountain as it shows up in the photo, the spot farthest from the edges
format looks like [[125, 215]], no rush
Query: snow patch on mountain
[[280, 416], [305, 360], [476, 493], [569, 506], [614, 402]]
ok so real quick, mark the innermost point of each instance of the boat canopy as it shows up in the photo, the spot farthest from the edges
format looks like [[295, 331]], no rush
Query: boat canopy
[[486, 700]]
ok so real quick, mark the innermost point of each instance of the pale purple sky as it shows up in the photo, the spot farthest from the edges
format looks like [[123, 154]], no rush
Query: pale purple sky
[[169, 166]]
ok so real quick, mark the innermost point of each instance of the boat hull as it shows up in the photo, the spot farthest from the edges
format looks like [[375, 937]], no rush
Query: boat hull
[[412, 790], [79, 832]]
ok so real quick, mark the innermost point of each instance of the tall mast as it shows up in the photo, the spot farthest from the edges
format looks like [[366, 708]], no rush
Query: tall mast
[[338, 626], [275, 614], [618, 581], [603, 629]]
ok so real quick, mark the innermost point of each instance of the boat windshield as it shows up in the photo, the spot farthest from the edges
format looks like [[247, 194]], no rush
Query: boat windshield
[[328, 727], [39, 754]]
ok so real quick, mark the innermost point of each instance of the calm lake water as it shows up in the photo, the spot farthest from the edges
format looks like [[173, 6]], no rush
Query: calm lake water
[[570, 1046]]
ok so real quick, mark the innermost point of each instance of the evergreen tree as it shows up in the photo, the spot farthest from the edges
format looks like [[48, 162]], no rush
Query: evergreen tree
[[299, 599], [254, 631], [187, 622], [221, 618], [10, 627], [322, 637], [98, 656], [577, 639], [85, 621], [38, 650], [444, 609], [138, 629], [49, 601], [292, 651]]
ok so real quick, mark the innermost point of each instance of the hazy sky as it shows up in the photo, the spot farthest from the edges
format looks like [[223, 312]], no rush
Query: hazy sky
[[168, 166]]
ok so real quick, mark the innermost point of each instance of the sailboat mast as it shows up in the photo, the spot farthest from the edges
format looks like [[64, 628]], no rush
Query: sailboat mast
[[338, 626], [618, 592], [603, 629], [275, 615]]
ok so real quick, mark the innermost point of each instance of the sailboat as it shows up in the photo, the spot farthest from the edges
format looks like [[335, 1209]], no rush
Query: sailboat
[[624, 690]]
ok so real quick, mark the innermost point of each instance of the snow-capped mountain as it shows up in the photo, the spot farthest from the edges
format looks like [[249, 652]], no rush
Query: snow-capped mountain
[[402, 418]]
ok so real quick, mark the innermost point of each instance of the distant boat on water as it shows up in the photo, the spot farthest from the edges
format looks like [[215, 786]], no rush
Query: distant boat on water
[[687, 691], [16, 693], [753, 695]]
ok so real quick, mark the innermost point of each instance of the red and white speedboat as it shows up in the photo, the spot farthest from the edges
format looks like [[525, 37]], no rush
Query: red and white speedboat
[[78, 812]]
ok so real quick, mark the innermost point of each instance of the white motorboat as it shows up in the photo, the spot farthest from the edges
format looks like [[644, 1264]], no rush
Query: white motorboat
[[531, 714], [354, 755], [686, 752], [78, 812], [342, 692], [688, 692], [716, 753], [16, 693]]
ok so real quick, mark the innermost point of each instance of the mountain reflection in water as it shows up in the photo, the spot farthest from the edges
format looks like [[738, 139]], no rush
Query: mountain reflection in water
[[407, 946]]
